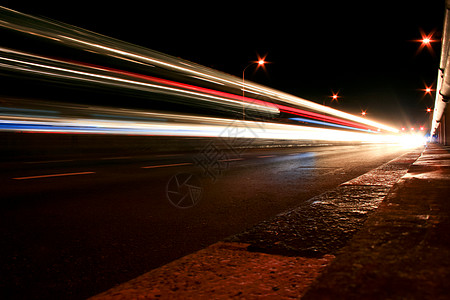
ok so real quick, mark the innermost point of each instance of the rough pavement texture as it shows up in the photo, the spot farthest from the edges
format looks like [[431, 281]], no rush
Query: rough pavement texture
[[286, 253], [326, 222], [403, 250], [223, 271]]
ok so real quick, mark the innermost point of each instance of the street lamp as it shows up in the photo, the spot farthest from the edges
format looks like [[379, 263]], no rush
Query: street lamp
[[428, 89], [426, 41], [260, 62], [334, 96]]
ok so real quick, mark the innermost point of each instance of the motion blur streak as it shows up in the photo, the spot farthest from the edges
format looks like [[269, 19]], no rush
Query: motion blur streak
[[96, 84], [51, 67], [159, 124]]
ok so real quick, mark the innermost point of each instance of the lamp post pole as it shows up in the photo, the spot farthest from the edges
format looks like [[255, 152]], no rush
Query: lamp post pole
[[260, 63]]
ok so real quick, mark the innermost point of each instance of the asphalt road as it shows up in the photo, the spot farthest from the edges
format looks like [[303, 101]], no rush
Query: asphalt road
[[75, 227]]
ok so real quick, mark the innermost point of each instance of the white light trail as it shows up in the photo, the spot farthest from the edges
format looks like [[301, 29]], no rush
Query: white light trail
[[130, 56]]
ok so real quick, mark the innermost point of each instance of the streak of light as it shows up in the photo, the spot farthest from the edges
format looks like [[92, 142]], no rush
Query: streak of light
[[179, 88], [163, 166], [327, 124], [147, 59], [223, 128], [215, 82], [53, 175], [53, 70], [83, 40]]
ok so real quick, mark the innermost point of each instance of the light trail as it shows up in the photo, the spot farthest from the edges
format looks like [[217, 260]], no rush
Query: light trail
[[179, 126], [52, 70], [53, 175], [250, 103], [159, 77]]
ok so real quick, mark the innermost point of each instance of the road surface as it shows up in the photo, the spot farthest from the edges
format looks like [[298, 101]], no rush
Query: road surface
[[71, 228]]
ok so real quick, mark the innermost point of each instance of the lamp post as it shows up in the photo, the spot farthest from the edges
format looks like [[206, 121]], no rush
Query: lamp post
[[260, 62]]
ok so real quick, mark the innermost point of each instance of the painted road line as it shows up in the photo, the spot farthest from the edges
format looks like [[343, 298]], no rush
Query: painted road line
[[231, 159], [48, 161], [163, 166], [53, 175]]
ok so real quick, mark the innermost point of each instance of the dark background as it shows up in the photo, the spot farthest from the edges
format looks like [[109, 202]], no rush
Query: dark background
[[364, 50]]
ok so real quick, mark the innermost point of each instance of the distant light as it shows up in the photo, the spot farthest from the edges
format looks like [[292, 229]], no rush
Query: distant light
[[403, 128], [412, 128], [412, 140], [334, 96], [428, 89], [363, 113], [428, 109], [421, 128], [261, 62], [426, 41]]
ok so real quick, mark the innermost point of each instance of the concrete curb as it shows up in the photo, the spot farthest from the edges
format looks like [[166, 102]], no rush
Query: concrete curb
[[402, 252]]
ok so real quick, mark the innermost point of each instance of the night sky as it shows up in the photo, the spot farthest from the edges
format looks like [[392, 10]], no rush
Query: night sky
[[364, 50]]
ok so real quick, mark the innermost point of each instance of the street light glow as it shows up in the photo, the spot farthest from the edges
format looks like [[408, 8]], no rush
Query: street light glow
[[428, 89], [426, 41], [260, 63], [334, 96]]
